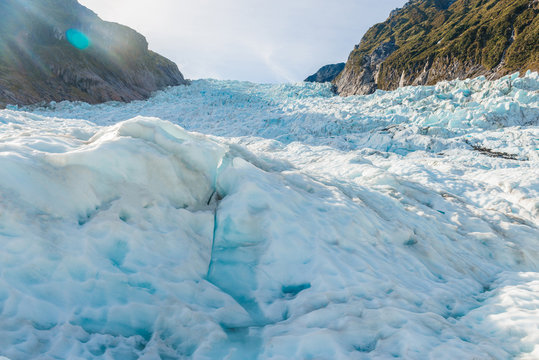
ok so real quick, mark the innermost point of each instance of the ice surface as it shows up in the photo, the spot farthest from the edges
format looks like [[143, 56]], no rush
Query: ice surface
[[292, 225]]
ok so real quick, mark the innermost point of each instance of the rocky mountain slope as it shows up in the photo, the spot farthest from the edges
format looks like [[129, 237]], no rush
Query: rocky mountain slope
[[427, 41], [326, 73], [53, 50]]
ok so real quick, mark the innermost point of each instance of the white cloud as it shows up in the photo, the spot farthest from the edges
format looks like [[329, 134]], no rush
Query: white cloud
[[262, 41]]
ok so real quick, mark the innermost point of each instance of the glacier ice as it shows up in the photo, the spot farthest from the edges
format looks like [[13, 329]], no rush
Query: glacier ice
[[240, 221]]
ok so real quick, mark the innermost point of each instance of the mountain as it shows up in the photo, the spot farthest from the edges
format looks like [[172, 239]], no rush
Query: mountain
[[53, 50], [326, 73], [427, 41]]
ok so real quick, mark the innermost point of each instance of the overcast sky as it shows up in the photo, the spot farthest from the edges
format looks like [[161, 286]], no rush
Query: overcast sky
[[255, 40]]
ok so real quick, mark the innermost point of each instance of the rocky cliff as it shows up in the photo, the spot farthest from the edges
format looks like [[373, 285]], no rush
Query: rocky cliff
[[326, 73], [53, 50], [427, 41]]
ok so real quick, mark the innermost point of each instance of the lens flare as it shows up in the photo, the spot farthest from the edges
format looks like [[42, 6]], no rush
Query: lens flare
[[78, 39]]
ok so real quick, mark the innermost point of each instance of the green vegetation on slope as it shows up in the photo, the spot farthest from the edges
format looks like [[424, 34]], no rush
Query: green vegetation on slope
[[464, 37]]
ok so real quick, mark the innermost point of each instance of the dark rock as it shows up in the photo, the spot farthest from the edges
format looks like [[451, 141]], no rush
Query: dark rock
[[326, 73], [365, 82], [427, 41], [104, 61]]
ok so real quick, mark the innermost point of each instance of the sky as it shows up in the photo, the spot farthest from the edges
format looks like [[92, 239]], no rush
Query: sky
[[261, 41]]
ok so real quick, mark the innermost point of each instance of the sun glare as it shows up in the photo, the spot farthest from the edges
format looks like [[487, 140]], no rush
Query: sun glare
[[77, 39]]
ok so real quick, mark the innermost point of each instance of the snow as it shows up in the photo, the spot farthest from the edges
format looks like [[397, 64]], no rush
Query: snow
[[240, 221]]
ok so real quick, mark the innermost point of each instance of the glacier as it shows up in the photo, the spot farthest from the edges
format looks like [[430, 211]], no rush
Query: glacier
[[232, 220]]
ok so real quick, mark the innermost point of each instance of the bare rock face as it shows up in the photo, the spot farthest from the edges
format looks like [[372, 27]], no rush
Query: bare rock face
[[432, 40], [364, 79], [54, 50], [326, 73]]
